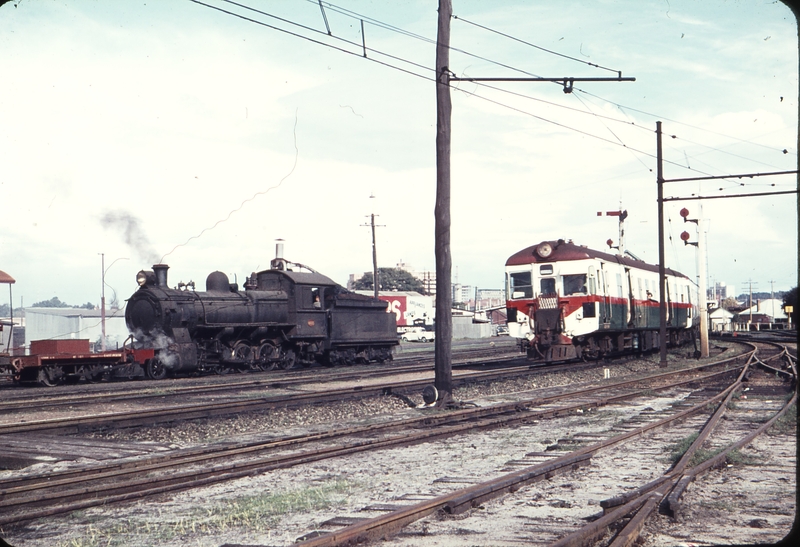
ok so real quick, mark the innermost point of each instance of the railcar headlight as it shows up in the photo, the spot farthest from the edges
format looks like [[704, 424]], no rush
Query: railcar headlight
[[544, 250]]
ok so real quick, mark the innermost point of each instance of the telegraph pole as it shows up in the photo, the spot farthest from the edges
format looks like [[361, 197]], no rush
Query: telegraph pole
[[375, 280], [444, 298], [662, 271], [103, 302]]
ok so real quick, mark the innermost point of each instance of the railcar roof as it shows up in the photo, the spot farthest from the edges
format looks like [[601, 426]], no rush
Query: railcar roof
[[564, 251]]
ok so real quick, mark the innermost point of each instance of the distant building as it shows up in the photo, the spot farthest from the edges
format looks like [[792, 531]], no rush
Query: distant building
[[719, 291], [75, 323], [764, 315], [720, 320], [16, 331]]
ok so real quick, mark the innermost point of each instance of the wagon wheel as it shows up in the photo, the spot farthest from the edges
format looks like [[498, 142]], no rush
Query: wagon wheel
[[289, 359], [50, 376], [265, 359], [156, 369], [94, 373]]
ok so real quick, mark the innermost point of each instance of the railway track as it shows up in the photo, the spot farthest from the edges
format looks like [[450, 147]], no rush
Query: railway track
[[624, 516], [411, 361], [27, 498]]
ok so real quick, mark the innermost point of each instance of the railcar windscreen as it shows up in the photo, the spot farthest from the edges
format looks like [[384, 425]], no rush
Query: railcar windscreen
[[520, 285], [574, 284]]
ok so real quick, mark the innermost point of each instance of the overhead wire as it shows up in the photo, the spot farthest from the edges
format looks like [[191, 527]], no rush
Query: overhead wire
[[378, 23], [318, 42]]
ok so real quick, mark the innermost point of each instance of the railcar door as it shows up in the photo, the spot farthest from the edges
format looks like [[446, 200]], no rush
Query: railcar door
[[632, 307], [605, 312]]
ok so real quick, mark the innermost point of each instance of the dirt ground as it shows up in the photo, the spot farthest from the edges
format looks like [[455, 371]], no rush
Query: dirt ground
[[750, 501]]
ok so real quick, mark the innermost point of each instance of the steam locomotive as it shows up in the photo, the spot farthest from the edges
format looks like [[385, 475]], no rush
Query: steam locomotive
[[567, 301], [282, 318]]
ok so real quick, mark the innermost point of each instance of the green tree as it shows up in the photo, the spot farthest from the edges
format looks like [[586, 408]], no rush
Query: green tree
[[391, 279], [790, 299], [52, 303]]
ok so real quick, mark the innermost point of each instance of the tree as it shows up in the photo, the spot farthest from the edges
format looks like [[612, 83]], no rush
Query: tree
[[728, 303], [391, 279], [52, 303], [790, 299], [56, 303]]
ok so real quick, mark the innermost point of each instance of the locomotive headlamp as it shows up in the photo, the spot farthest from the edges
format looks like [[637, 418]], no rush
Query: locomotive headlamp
[[544, 250], [145, 277]]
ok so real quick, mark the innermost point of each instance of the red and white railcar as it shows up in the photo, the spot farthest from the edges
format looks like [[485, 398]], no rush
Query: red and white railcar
[[567, 301]]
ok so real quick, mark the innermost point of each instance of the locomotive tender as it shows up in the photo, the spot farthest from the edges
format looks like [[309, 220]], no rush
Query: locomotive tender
[[566, 301], [282, 318]]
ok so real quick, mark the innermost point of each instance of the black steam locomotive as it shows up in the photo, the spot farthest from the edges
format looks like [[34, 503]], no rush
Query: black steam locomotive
[[282, 318]]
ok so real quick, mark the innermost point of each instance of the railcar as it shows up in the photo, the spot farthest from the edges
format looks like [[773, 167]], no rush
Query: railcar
[[283, 317], [566, 301]]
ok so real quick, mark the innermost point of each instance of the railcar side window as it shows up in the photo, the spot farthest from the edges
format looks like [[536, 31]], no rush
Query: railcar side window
[[548, 285], [574, 284], [521, 286]]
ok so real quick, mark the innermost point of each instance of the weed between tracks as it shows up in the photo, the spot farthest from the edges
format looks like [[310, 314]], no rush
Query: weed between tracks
[[786, 424], [735, 457], [254, 514]]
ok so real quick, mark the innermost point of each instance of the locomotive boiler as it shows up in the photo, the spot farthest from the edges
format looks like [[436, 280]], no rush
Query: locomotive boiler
[[567, 301], [282, 318]]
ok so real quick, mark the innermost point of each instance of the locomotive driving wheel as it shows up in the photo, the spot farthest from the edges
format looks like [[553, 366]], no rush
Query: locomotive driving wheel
[[243, 352], [267, 358], [288, 359]]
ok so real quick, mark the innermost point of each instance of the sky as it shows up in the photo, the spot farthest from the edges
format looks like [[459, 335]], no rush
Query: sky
[[196, 134]]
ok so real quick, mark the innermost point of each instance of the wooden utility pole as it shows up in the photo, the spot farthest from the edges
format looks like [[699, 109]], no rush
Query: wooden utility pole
[[444, 298], [662, 269]]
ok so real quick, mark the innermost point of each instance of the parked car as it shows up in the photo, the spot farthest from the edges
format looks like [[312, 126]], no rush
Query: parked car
[[418, 334]]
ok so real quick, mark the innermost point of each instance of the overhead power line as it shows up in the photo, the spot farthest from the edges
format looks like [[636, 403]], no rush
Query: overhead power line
[[362, 46]]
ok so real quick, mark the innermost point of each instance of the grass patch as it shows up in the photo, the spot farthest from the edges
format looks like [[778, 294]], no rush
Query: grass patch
[[786, 424], [734, 457], [257, 513]]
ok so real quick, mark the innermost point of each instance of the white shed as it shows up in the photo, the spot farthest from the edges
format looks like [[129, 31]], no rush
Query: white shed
[[74, 323]]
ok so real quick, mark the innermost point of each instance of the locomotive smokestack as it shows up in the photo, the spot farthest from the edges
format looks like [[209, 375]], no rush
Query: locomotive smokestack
[[278, 263], [161, 274]]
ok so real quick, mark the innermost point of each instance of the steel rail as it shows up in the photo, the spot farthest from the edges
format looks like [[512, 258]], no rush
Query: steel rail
[[160, 389], [668, 489], [205, 410], [461, 500], [9, 496], [424, 421]]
